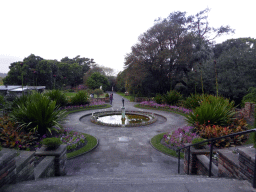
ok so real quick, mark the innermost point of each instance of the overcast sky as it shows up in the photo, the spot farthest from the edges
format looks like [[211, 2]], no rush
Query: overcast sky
[[104, 30]]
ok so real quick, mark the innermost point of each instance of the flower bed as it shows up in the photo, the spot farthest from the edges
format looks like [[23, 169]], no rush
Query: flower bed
[[74, 107], [165, 106], [179, 137]]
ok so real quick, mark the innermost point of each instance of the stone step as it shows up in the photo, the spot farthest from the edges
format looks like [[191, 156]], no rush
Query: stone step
[[133, 182]]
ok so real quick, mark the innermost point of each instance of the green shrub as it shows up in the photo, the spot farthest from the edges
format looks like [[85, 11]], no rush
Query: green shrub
[[158, 99], [198, 140], [172, 97], [98, 92], [250, 97], [193, 101], [212, 111], [52, 143], [39, 113], [20, 100], [107, 95], [254, 136], [81, 98], [58, 96], [1, 101]]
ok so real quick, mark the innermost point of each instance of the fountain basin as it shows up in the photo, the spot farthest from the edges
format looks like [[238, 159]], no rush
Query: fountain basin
[[114, 118]]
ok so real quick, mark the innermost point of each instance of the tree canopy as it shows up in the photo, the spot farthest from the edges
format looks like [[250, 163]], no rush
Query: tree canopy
[[167, 52], [34, 70]]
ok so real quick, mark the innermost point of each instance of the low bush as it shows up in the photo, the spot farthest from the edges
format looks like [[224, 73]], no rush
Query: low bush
[[212, 111], [172, 97], [250, 97], [214, 131], [98, 92], [58, 96], [193, 101], [39, 114], [198, 140], [12, 137], [52, 143], [81, 98], [158, 99], [2, 101]]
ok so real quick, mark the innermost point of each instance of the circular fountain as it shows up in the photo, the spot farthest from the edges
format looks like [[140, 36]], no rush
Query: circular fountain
[[117, 119]]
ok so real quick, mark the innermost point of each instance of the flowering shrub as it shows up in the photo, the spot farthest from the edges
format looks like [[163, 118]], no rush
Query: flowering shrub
[[165, 106], [12, 137], [180, 136], [72, 139], [214, 131]]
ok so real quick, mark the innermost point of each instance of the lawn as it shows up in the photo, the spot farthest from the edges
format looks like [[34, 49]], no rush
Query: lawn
[[129, 97]]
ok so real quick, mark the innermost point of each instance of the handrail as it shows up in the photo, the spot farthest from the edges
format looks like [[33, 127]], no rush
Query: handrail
[[212, 141]]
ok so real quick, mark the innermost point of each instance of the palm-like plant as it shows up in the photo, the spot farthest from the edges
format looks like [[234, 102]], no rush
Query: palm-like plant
[[38, 113], [58, 96], [212, 110]]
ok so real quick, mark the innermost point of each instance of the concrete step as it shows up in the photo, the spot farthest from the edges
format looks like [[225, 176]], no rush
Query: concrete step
[[138, 182]]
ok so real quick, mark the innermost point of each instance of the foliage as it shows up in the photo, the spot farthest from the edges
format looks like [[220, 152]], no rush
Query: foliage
[[254, 134], [198, 140], [250, 97], [193, 101], [214, 131], [158, 98], [107, 95], [52, 143], [167, 52], [2, 101], [96, 80], [212, 110], [58, 96], [81, 98], [172, 97], [11, 137], [34, 70], [164, 106], [180, 136], [98, 92], [38, 113]]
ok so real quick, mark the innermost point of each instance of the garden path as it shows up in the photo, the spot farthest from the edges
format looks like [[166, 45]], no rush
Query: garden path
[[123, 150]]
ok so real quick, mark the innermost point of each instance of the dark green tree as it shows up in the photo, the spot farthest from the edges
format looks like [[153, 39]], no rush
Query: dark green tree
[[96, 80]]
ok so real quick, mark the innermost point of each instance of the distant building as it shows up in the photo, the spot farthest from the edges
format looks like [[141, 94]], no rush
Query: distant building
[[11, 91]]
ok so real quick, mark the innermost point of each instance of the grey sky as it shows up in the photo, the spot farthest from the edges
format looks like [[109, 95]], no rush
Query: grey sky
[[100, 29]]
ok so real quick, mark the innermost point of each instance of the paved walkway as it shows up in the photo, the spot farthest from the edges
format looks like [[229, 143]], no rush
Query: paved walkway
[[125, 161], [123, 150]]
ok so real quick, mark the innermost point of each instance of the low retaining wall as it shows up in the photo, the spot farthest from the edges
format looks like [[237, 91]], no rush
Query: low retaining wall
[[17, 166]]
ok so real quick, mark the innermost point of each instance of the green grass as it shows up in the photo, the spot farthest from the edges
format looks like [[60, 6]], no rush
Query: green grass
[[89, 108], [91, 143], [159, 109], [156, 142], [129, 97], [70, 94]]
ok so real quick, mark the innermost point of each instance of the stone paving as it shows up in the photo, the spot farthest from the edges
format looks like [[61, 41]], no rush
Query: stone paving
[[123, 150]]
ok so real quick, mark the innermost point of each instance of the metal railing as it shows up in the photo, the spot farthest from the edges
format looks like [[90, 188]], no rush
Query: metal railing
[[212, 142]]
